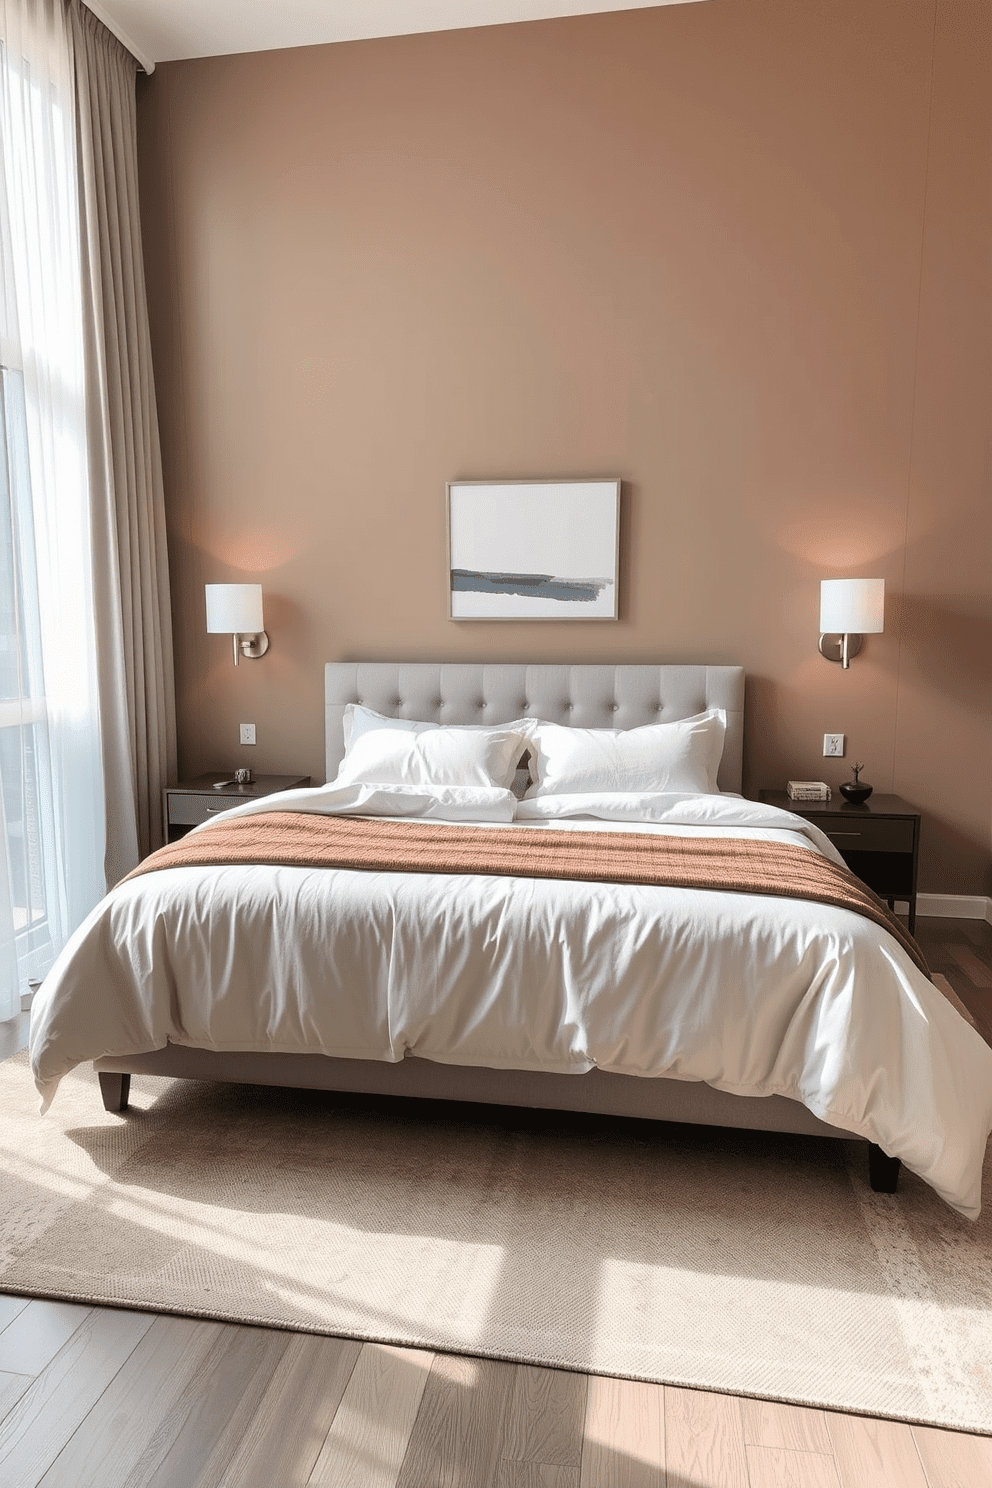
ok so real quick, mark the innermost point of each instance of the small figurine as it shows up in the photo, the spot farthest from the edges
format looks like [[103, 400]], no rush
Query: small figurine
[[856, 791]]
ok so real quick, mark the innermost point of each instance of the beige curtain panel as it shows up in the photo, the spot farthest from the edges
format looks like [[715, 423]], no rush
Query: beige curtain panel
[[133, 616]]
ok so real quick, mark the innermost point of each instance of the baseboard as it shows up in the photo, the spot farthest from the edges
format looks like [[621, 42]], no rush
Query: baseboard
[[955, 906]]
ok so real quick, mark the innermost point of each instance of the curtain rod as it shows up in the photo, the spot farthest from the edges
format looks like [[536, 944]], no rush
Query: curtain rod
[[146, 63]]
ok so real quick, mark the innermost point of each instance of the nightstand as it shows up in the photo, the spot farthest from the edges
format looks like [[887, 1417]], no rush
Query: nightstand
[[879, 841], [191, 802]]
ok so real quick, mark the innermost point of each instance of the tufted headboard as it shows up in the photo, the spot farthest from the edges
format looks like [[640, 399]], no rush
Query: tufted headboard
[[498, 691]]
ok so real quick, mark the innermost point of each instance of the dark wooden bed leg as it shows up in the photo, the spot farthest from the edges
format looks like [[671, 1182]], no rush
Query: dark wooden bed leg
[[115, 1090], [883, 1170]]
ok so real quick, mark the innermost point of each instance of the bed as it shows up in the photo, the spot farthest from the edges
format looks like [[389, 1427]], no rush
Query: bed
[[836, 995]]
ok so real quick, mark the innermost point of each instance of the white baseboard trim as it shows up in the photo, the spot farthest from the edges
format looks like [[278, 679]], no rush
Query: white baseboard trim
[[955, 906]]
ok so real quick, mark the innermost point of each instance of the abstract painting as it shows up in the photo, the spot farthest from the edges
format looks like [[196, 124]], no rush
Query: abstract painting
[[533, 550]]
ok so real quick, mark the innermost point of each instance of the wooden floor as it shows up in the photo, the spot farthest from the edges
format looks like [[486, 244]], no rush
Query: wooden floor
[[96, 1396]]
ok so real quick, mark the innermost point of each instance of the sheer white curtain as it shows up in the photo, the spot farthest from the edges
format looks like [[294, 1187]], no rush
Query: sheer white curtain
[[52, 868]]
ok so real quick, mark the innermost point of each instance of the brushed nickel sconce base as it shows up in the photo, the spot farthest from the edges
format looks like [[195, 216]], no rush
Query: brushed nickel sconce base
[[256, 646], [834, 649], [253, 645]]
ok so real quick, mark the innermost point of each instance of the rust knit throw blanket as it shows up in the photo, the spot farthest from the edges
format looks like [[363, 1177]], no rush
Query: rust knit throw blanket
[[743, 866]]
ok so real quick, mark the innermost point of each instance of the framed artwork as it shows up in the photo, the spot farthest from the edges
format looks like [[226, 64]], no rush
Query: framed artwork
[[533, 550]]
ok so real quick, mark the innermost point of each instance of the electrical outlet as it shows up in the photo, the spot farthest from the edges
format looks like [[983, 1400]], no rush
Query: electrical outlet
[[247, 733], [833, 746]]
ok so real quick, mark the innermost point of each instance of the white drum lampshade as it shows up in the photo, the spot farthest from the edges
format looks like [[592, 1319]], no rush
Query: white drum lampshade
[[236, 609], [850, 609], [855, 606]]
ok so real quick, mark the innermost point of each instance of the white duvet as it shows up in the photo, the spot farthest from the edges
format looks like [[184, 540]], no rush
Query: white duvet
[[754, 995]]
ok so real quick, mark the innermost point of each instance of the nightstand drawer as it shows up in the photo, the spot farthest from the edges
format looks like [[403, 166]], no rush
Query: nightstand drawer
[[879, 841], [870, 834], [189, 803], [188, 810]]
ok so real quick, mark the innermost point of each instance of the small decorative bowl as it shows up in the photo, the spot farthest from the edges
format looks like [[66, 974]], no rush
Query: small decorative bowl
[[856, 792]]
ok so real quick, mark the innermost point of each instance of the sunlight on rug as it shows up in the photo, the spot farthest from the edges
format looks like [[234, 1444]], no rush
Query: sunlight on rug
[[751, 1263]]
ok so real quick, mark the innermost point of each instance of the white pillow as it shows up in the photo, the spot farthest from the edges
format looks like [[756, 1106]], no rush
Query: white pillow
[[399, 751], [669, 757]]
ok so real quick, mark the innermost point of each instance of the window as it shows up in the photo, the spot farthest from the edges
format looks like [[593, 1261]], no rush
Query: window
[[24, 745], [52, 826]]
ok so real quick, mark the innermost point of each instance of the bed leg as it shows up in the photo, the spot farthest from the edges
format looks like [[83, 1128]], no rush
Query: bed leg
[[883, 1170], [115, 1090]]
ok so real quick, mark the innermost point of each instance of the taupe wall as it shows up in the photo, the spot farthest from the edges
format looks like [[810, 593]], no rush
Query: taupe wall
[[736, 253]]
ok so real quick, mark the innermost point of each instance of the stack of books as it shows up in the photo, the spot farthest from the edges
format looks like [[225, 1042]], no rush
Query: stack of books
[[807, 790]]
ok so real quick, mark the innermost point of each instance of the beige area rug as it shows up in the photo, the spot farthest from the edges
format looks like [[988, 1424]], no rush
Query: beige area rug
[[761, 1265]]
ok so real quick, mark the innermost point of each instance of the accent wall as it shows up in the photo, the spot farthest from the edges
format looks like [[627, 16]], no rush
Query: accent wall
[[738, 254]]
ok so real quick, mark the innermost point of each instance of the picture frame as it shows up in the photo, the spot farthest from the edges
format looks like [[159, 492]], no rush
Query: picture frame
[[533, 549]]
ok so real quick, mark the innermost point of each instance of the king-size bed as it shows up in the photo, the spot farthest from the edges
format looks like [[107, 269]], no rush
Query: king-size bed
[[534, 939]]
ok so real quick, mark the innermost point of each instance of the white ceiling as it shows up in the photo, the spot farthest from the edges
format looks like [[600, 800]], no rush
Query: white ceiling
[[167, 30]]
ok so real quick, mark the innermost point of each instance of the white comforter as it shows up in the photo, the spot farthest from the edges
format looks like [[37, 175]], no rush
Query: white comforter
[[752, 994]]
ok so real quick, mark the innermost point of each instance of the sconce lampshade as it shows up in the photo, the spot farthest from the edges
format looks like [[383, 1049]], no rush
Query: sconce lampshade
[[234, 609], [852, 606]]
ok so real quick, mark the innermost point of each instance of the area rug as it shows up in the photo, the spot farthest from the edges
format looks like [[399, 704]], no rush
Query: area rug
[[757, 1264]]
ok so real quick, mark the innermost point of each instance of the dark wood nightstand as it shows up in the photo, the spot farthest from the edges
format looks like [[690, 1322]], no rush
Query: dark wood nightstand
[[879, 841], [191, 802]]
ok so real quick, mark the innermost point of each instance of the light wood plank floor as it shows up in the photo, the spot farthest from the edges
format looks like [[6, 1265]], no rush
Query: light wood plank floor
[[102, 1398]]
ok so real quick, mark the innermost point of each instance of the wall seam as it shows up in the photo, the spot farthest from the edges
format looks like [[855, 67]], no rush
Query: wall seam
[[915, 394]]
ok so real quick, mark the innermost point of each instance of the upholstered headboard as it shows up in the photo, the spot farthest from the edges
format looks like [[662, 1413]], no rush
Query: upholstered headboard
[[496, 692]]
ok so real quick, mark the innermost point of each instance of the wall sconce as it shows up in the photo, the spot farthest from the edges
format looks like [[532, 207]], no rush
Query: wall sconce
[[849, 610], [236, 610]]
